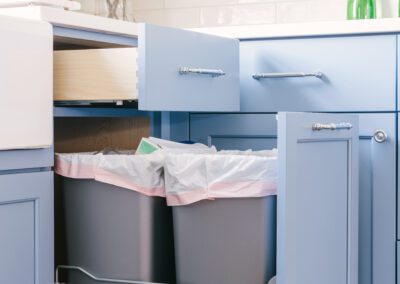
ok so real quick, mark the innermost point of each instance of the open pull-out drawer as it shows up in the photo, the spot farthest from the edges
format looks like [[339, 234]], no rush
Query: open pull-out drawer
[[317, 239], [170, 70], [317, 199]]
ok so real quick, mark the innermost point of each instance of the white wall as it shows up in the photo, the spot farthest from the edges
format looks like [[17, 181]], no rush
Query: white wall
[[197, 13]]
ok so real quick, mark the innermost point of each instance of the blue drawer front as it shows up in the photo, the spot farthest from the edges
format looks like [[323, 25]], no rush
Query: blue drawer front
[[359, 74], [164, 51], [26, 159]]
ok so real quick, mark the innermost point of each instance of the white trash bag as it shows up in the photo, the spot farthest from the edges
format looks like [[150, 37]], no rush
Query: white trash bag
[[141, 173], [191, 177]]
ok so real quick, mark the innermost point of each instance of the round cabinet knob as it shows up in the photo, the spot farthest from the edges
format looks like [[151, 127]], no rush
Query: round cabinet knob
[[380, 136]]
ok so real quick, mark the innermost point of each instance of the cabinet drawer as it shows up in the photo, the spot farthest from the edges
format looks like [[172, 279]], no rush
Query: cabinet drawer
[[358, 74], [170, 70]]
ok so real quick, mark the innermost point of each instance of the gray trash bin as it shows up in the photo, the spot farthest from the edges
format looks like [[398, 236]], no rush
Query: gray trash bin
[[225, 222], [111, 231]]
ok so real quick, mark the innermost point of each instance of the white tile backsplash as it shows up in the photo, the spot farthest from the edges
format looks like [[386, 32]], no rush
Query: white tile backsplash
[[197, 13], [311, 11], [148, 4], [238, 15], [187, 17]]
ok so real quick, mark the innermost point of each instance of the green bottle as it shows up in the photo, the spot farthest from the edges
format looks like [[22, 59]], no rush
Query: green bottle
[[361, 9]]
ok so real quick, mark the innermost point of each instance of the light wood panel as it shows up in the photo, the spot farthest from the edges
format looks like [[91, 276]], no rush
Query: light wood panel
[[95, 74], [95, 134]]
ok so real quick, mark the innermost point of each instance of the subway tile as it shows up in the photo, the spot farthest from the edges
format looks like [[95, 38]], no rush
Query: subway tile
[[88, 6], [206, 3], [389, 8], [147, 4], [327, 10], [311, 11], [238, 15], [184, 18], [197, 3], [291, 12]]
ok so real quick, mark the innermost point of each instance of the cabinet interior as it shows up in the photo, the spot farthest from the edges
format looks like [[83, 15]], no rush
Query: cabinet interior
[[86, 134]]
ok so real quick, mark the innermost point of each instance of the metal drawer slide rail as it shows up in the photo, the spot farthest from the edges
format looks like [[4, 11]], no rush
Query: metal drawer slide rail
[[93, 277]]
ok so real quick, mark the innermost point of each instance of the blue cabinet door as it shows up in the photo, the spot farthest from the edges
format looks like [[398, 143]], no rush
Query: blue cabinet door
[[377, 214], [317, 239], [26, 222], [358, 74], [186, 71]]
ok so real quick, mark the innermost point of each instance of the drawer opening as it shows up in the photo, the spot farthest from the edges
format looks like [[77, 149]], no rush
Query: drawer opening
[[71, 43], [105, 76]]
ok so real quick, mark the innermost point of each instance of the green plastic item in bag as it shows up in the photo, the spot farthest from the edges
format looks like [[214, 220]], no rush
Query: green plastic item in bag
[[361, 9], [146, 147]]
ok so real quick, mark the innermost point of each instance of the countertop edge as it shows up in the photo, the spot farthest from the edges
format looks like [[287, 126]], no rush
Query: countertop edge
[[311, 29]]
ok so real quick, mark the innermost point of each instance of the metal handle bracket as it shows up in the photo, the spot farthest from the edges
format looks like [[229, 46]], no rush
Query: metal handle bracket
[[201, 71], [331, 126], [259, 76]]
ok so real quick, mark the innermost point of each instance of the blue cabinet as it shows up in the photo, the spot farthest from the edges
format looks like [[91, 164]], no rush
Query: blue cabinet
[[26, 221], [377, 177], [358, 74], [186, 71]]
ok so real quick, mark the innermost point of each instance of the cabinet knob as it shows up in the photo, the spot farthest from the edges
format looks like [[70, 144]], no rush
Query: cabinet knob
[[380, 136]]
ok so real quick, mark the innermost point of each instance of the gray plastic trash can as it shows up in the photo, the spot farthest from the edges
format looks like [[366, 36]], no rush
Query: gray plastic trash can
[[114, 232], [226, 241], [224, 214]]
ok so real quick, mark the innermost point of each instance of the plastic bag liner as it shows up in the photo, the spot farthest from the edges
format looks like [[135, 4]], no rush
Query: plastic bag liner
[[141, 173], [192, 177], [77, 165]]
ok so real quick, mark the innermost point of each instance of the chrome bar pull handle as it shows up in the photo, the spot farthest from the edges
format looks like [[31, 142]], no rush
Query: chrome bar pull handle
[[259, 76], [380, 136], [201, 71], [331, 126]]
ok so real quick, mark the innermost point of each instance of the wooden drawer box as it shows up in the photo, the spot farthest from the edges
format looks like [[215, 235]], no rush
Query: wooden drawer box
[[95, 75]]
